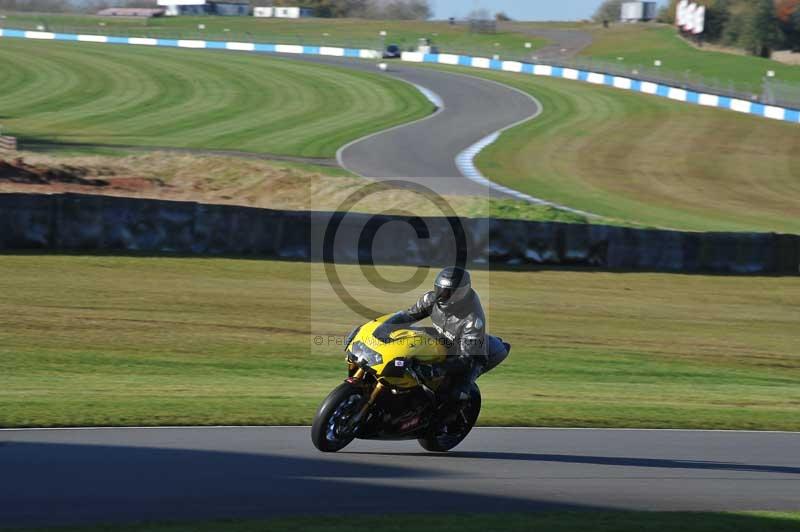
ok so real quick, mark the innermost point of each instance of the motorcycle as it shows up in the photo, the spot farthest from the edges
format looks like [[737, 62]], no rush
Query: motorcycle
[[385, 398]]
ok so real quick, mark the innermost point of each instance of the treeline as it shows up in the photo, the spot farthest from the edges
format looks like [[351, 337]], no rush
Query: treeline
[[378, 9], [758, 26]]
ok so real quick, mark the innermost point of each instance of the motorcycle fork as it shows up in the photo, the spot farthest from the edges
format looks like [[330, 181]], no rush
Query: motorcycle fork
[[372, 397]]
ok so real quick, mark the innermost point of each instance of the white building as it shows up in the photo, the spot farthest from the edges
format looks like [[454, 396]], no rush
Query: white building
[[205, 7], [283, 12], [638, 11]]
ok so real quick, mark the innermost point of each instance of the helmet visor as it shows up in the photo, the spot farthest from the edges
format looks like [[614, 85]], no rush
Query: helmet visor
[[447, 296]]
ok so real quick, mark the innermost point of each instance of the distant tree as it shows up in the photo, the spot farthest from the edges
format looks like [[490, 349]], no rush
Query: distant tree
[[609, 10], [407, 10], [784, 9], [718, 14], [734, 29], [666, 15], [788, 13], [793, 35], [761, 32], [479, 14], [501, 16]]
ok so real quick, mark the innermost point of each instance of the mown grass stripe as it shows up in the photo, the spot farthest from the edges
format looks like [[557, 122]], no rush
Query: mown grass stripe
[[138, 95]]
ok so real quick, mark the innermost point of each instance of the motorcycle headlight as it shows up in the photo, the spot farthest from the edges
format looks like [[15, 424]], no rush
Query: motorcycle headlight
[[349, 339], [365, 354]]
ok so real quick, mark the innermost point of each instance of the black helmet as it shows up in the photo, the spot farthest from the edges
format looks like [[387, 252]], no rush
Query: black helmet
[[452, 285]]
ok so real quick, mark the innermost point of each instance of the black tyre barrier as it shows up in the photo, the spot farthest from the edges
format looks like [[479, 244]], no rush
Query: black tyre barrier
[[90, 223]]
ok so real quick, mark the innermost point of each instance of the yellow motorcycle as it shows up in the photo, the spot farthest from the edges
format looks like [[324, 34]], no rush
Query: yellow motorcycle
[[384, 397]]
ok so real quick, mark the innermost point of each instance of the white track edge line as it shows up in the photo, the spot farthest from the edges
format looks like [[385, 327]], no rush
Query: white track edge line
[[465, 161]]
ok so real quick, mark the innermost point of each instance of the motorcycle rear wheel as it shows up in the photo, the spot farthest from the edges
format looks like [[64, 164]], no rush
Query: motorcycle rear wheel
[[328, 432], [443, 434]]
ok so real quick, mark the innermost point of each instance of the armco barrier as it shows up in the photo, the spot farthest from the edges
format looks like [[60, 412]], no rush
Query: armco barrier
[[88, 223], [597, 78], [619, 82]]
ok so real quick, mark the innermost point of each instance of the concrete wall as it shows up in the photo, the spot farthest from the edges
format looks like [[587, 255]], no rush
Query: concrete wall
[[87, 223]]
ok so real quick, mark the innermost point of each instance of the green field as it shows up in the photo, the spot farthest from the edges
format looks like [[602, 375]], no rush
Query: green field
[[603, 521], [649, 160], [637, 46], [640, 45], [628, 157], [163, 341], [96, 94], [354, 33]]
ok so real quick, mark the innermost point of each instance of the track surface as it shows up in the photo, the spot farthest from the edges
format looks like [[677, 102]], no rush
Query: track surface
[[83, 476], [425, 151]]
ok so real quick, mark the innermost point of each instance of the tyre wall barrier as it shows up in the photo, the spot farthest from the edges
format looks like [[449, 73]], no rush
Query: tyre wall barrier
[[596, 78], [90, 223]]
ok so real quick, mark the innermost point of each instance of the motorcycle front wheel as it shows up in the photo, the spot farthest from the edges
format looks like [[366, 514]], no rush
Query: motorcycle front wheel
[[452, 427], [329, 432]]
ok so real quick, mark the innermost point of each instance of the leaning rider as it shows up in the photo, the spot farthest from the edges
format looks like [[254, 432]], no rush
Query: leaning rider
[[458, 318]]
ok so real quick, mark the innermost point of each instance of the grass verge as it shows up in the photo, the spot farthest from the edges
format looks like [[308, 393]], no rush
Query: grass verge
[[603, 521], [649, 160], [354, 33], [90, 340], [245, 181], [639, 45]]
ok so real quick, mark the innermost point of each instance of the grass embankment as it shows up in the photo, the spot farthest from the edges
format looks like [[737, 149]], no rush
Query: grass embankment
[[96, 94], [251, 182], [650, 160], [639, 45], [354, 33], [550, 521], [159, 341]]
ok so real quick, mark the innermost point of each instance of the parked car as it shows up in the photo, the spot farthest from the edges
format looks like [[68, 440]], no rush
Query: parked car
[[392, 52]]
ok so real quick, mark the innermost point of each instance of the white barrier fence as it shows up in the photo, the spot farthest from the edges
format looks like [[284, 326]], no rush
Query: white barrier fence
[[355, 53], [625, 83]]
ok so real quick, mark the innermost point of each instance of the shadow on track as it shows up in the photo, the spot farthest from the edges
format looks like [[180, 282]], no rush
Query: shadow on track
[[66, 483], [603, 460]]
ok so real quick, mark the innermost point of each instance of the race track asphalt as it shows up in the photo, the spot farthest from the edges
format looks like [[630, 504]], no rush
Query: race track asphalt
[[117, 475], [425, 151]]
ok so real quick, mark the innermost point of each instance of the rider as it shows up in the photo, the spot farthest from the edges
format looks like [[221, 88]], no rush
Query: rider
[[457, 315]]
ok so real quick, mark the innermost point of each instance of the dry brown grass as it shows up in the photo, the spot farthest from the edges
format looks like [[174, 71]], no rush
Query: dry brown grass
[[256, 182]]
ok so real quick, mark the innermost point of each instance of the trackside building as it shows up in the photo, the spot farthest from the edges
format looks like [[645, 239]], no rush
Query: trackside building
[[205, 7], [283, 12], [638, 11]]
